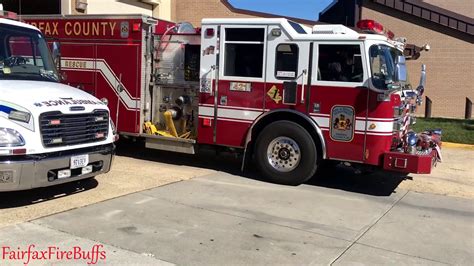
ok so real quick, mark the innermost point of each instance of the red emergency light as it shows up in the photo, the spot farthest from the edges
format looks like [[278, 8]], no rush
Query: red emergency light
[[136, 27], [372, 26], [8, 15], [390, 35]]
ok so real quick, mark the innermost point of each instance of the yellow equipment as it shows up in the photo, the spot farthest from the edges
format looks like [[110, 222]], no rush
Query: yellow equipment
[[170, 124], [170, 131]]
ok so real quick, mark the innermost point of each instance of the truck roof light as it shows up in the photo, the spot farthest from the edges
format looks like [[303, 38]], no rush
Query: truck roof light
[[390, 35], [8, 15], [370, 26]]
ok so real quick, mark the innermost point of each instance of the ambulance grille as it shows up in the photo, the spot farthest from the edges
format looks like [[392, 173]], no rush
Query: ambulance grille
[[58, 129]]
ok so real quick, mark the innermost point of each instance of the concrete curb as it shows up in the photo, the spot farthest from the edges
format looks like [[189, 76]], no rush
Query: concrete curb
[[457, 145]]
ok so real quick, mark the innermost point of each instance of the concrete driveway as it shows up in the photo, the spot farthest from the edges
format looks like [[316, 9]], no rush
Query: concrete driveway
[[224, 219]]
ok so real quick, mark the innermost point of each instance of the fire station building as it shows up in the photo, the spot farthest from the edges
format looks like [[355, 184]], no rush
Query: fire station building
[[192, 11], [447, 26]]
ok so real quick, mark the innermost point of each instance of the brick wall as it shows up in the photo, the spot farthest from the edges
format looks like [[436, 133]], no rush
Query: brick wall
[[195, 10], [450, 64], [463, 7]]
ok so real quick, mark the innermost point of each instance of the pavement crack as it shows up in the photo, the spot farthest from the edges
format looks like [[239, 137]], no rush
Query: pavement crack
[[368, 229], [248, 218], [404, 254]]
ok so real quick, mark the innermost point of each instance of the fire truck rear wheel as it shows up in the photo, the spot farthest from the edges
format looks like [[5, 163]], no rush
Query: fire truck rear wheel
[[286, 153]]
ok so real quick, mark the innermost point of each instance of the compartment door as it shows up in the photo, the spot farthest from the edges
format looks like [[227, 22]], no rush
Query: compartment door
[[118, 77]]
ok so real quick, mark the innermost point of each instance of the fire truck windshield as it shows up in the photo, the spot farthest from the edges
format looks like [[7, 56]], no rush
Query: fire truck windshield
[[383, 65], [24, 54]]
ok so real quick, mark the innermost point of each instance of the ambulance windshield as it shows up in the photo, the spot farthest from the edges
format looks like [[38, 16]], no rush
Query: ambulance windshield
[[24, 55], [382, 63]]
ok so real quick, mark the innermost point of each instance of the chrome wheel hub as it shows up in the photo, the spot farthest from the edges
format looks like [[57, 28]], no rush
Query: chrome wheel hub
[[283, 154]]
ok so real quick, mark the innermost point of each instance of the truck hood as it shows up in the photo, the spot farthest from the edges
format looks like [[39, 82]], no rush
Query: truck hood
[[43, 96]]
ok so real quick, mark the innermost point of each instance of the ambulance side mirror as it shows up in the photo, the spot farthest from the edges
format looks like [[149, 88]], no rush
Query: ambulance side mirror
[[57, 61], [57, 55]]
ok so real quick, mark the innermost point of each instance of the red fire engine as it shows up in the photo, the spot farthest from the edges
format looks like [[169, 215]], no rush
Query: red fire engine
[[288, 96]]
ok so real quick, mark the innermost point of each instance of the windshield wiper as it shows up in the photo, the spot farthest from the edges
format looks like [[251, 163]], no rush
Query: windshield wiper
[[38, 76]]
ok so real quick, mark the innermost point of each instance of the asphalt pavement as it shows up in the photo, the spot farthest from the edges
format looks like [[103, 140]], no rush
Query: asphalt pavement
[[226, 219]]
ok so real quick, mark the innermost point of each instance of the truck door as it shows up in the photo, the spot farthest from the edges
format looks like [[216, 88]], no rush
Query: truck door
[[237, 84], [338, 98], [118, 80], [286, 72]]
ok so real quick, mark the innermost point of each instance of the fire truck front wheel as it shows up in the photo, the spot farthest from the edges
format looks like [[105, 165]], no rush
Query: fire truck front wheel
[[286, 153]]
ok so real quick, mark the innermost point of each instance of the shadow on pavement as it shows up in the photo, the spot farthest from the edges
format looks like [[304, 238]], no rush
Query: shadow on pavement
[[29, 197], [338, 177], [345, 178]]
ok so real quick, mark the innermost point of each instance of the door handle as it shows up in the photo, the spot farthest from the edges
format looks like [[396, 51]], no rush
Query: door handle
[[213, 72], [303, 75]]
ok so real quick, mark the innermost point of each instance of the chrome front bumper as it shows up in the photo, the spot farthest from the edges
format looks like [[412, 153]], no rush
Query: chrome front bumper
[[27, 172]]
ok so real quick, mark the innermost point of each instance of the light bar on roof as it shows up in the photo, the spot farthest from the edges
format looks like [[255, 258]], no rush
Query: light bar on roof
[[372, 26], [333, 29], [8, 15]]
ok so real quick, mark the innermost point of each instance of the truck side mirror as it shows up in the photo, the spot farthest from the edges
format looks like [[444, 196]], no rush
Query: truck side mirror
[[421, 87], [401, 69]]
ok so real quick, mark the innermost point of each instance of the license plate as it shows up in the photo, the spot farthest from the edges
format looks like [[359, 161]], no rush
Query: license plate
[[79, 161]]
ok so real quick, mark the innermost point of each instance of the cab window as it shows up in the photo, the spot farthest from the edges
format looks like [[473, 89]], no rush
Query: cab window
[[340, 63], [383, 65], [243, 54], [286, 65], [23, 47]]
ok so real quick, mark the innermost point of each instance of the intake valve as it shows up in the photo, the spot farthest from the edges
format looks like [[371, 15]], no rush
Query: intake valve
[[176, 112], [183, 99]]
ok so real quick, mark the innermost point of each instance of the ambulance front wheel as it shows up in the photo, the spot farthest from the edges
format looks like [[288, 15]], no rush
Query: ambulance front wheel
[[286, 153]]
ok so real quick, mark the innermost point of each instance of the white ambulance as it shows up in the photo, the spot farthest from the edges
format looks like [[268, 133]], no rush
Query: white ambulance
[[50, 133]]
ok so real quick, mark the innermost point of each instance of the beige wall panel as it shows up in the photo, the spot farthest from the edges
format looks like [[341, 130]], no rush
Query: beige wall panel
[[463, 7], [118, 7], [195, 10], [450, 64]]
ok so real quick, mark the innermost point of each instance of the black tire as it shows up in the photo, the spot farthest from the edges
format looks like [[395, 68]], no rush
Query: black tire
[[307, 162]]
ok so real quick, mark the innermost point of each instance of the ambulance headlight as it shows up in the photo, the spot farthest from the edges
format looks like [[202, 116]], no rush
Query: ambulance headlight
[[20, 116], [10, 138]]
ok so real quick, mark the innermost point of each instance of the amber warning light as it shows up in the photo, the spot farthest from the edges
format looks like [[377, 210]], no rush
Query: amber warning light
[[372, 26]]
